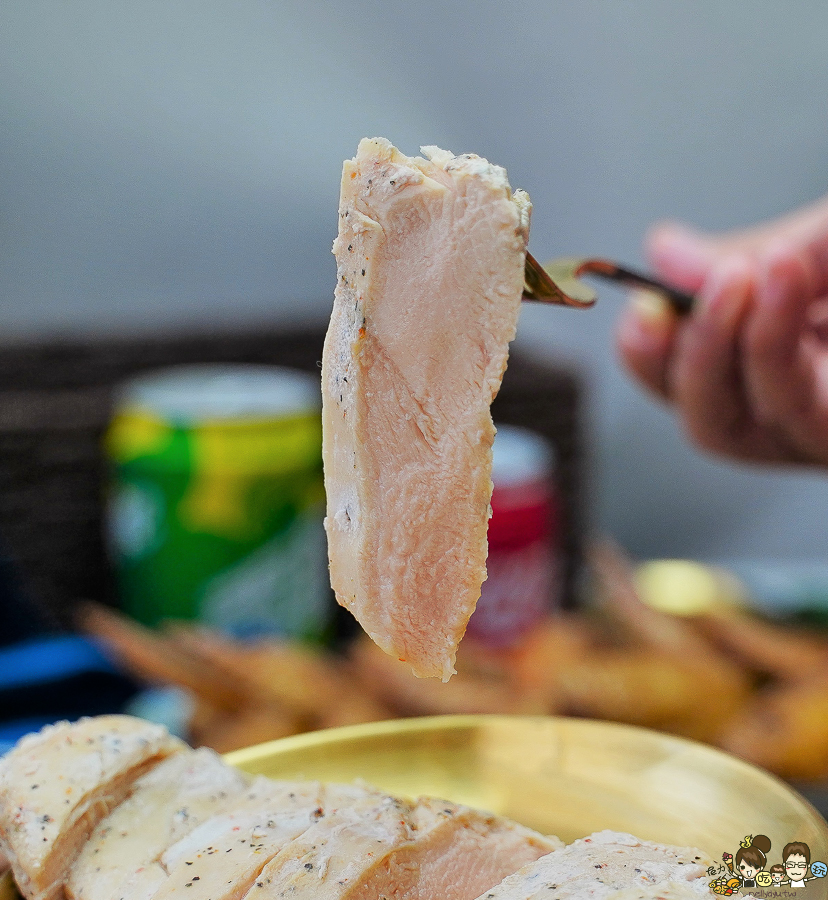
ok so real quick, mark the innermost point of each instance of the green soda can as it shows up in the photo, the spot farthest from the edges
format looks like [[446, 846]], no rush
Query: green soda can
[[216, 500]]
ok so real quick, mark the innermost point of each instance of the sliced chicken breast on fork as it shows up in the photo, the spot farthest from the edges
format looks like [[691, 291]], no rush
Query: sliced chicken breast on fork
[[430, 272]]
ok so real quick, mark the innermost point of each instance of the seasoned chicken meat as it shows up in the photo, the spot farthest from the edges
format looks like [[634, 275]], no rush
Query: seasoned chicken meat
[[602, 864], [222, 858], [430, 260], [142, 817], [121, 857], [455, 853], [56, 785], [330, 859]]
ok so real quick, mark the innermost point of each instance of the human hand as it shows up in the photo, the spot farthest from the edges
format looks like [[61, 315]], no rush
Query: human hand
[[747, 371]]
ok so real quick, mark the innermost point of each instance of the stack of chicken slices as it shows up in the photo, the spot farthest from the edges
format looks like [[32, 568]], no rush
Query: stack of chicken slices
[[113, 808]]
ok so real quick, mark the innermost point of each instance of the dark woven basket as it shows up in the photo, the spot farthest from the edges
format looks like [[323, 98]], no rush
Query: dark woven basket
[[56, 400]]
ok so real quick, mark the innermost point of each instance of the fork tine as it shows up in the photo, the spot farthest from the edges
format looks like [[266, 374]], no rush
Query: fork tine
[[539, 285], [558, 282]]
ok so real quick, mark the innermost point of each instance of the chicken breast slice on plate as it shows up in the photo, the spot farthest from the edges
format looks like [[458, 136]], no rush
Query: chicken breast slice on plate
[[600, 865], [430, 271], [224, 857], [334, 857], [455, 853], [164, 805], [56, 785]]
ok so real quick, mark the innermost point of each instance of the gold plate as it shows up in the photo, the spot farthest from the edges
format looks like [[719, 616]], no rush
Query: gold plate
[[8, 889], [561, 776]]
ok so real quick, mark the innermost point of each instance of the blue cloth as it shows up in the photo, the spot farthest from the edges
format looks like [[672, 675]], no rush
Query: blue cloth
[[56, 677], [50, 658]]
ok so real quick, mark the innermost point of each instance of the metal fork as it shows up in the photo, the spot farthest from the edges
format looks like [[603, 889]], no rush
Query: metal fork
[[559, 282]]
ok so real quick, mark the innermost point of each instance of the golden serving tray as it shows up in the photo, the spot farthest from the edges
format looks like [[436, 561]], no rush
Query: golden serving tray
[[561, 776]]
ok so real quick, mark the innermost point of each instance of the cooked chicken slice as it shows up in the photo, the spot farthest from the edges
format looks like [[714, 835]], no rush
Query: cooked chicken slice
[[56, 785], [430, 259], [334, 857], [165, 805], [222, 858], [601, 864], [455, 853]]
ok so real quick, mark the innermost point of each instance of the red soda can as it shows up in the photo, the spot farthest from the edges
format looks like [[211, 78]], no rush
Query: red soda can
[[524, 562]]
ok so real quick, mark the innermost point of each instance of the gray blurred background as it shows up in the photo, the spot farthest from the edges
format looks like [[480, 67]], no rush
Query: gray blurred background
[[176, 164]]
